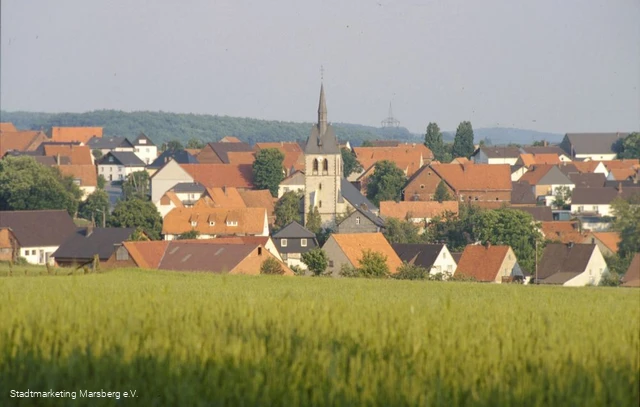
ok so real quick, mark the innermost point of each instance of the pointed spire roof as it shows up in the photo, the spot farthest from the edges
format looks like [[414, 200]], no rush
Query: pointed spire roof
[[322, 139]]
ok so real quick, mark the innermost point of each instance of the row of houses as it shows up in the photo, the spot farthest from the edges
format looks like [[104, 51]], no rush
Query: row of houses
[[51, 237]]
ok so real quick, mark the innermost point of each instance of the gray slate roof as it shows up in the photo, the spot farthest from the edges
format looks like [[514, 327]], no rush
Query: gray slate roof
[[181, 157], [539, 213], [500, 152], [355, 197], [294, 230], [522, 194], [101, 241], [142, 136], [185, 187], [108, 143], [126, 158], [39, 228], [555, 177], [600, 196], [561, 262], [592, 143], [587, 180], [543, 150], [423, 255], [326, 143]]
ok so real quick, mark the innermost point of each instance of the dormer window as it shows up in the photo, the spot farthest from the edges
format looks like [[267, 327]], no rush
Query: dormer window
[[143, 141], [110, 159], [232, 223], [194, 223], [212, 223], [283, 242]]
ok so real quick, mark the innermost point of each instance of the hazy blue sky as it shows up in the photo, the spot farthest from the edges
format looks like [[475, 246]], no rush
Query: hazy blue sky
[[551, 65]]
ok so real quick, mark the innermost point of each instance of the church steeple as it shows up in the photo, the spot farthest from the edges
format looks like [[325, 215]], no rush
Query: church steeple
[[322, 112]]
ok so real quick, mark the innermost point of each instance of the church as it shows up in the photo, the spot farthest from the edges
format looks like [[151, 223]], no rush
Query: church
[[325, 186]]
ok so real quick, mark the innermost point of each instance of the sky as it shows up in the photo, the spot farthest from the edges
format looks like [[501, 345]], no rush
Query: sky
[[547, 65]]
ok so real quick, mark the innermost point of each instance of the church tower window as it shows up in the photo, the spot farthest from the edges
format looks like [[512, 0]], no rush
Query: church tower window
[[320, 204], [325, 166], [315, 165]]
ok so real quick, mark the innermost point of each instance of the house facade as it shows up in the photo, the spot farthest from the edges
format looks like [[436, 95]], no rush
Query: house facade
[[571, 265], [81, 247], [434, 257], [490, 264], [496, 155], [360, 220], [145, 149], [292, 242], [118, 165], [214, 222], [347, 249], [592, 146]]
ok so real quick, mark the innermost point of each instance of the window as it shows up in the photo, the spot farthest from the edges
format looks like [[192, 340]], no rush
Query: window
[[325, 166], [461, 198], [283, 242], [315, 165], [76, 181], [259, 251], [595, 208], [285, 257], [33, 252], [110, 169], [286, 189], [444, 255], [194, 223], [421, 186], [142, 141], [119, 169], [232, 223], [303, 242], [212, 223], [357, 220], [320, 186], [320, 204], [330, 263], [580, 208], [146, 149], [26, 252]]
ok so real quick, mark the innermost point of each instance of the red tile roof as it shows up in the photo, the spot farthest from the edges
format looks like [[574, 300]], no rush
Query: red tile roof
[[78, 155], [353, 244], [147, 255], [416, 209], [482, 262], [81, 134], [475, 177], [85, 173], [408, 157], [221, 175], [214, 221], [7, 126], [19, 140], [562, 231]]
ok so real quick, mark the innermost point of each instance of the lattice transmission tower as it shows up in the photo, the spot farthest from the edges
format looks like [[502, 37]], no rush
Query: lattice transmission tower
[[390, 121]]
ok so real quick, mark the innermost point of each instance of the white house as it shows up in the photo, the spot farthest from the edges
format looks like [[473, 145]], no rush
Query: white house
[[434, 257], [210, 223], [145, 149], [597, 201], [117, 165], [294, 182], [571, 265], [593, 146], [496, 155], [108, 144], [39, 233]]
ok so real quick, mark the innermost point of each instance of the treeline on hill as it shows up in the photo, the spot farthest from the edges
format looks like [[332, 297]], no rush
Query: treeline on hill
[[163, 126]]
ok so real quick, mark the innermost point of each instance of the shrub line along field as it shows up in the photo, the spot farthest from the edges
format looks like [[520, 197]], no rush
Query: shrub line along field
[[201, 339]]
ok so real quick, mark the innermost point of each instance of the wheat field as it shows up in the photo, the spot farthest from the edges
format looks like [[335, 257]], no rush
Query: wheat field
[[180, 339]]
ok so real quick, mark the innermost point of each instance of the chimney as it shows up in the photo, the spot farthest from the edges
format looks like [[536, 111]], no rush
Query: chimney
[[224, 190], [58, 159], [570, 245], [89, 230], [619, 188], [487, 244]]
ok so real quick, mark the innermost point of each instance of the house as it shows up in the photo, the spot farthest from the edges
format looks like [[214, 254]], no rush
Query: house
[[117, 165], [188, 192], [259, 198], [80, 248], [434, 257], [108, 144], [230, 139], [20, 141], [587, 180], [480, 184], [39, 233], [84, 176], [562, 231], [347, 249], [607, 242], [489, 264], [292, 241], [597, 201], [294, 182], [214, 222], [571, 265], [179, 156], [75, 134], [539, 213], [221, 175], [201, 255], [546, 149], [522, 194], [632, 277], [417, 211], [144, 148], [622, 174], [528, 160], [496, 155], [547, 181], [218, 153], [594, 146], [75, 153], [517, 171], [9, 245], [360, 220], [409, 157], [40, 159]]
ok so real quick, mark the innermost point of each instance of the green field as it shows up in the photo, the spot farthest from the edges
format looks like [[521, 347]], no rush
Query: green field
[[195, 339]]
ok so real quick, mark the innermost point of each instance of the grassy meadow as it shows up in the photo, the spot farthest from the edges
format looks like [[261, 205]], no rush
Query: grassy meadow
[[181, 339]]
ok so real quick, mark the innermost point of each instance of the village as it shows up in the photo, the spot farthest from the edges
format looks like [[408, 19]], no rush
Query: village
[[219, 213]]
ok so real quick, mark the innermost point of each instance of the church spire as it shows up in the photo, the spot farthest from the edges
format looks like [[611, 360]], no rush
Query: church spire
[[322, 112]]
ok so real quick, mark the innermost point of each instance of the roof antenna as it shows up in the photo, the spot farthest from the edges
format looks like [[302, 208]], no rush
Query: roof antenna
[[321, 73]]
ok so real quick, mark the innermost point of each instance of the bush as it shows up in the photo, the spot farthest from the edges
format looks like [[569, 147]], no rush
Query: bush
[[411, 272], [316, 260], [297, 270], [347, 270], [271, 266]]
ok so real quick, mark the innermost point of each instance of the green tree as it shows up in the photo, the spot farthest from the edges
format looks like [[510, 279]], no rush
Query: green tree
[[271, 266], [314, 222], [401, 231], [373, 265], [173, 145], [540, 143], [456, 230], [316, 261], [268, 171], [386, 183], [513, 228], [366, 143], [137, 213], [442, 193], [97, 154], [102, 181], [626, 222], [95, 207], [411, 272], [350, 162], [287, 209], [27, 185], [136, 185], [562, 197], [433, 140], [192, 234], [629, 147], [463, 141], [195, 143]]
